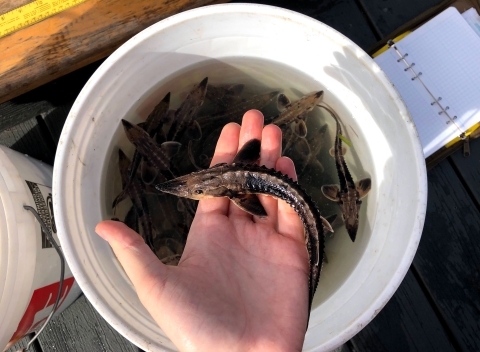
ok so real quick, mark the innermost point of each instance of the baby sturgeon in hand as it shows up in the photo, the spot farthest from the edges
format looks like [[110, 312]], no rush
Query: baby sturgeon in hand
[[241, 181]]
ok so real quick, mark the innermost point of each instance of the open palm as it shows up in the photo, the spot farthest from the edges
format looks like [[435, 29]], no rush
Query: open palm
[[242, 282]]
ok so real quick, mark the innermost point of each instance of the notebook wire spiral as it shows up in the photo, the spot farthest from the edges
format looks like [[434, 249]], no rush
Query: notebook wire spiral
[[416, 76]]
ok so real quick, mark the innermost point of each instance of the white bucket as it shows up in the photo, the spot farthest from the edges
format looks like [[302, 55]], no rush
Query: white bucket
[[360, 277], [29, 266]]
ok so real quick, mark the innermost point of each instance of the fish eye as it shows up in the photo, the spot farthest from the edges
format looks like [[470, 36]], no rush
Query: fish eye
[[199, 191]]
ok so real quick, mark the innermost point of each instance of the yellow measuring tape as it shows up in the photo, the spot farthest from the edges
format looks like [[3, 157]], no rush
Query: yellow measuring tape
[[32, 13]]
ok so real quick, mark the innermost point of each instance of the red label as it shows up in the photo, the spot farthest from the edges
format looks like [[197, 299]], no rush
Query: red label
[[42, 298]]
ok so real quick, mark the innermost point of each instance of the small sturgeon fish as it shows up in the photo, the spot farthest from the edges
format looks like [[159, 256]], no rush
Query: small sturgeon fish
[[153, 123], [348, 194], [187, 111], [158, 156], [136, 192], [241, 181], [295, 112]]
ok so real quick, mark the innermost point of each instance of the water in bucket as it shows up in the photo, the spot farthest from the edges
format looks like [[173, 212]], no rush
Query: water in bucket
[[171, 217]]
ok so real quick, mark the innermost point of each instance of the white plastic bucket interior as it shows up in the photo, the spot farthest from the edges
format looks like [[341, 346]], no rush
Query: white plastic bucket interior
[[352, 291]]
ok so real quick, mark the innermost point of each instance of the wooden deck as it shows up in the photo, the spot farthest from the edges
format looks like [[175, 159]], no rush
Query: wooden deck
[[436, 308]]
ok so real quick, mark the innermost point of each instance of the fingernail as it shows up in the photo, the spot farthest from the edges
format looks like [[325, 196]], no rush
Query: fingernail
[[100, 230]]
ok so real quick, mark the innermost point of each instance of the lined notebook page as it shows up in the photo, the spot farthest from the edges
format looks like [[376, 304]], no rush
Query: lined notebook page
[[447, 52]]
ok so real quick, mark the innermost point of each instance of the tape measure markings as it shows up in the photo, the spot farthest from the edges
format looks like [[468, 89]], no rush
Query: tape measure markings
[[32, 13]]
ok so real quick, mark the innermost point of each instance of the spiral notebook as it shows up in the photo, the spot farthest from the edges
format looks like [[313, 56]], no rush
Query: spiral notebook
[[436, 70]]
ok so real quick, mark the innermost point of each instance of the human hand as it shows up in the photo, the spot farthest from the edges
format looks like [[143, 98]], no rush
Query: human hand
[[242, 281]]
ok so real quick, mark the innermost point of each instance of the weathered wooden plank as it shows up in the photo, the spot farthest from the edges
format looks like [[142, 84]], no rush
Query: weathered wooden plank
[[469, 168], [81, 328], [448, 258], [343, 15], [29, 138], [406, 323], [76, 37], [388, 15]]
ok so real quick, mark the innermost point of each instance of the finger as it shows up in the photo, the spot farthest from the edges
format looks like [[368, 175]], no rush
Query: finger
[[271, 147], [252, 126], [143, 268], [270, 151], [289, 223], [227, 146], [286, 166]]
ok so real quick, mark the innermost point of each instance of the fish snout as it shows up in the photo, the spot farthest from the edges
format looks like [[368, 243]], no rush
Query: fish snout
[[352, 227], [176, 187]]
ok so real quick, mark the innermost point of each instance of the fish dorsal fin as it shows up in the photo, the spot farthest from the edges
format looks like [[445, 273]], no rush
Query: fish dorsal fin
[[180, 206], [331, 192], [332, 151], [323, 129], [194, 131], [302, 147], [301, 128], [170, 148], [363, 187], [326, 224], [318, 165], [219, 164], [249, 153], [250, 203], [236, 89], [282, 102], [119, 198], [148, 172], [142, 125]]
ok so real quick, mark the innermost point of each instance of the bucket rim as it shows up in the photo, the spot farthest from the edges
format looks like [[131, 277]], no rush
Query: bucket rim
[[63, 154]]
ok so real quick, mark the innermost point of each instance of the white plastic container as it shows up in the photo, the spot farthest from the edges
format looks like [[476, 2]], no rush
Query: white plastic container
[[29, 266], [360, 277]]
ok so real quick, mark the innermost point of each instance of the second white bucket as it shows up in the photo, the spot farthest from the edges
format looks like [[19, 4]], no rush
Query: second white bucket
[[29, 265], [361, 276]]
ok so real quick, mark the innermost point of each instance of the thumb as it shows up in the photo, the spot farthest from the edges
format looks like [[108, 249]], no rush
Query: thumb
[[146, 272]]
